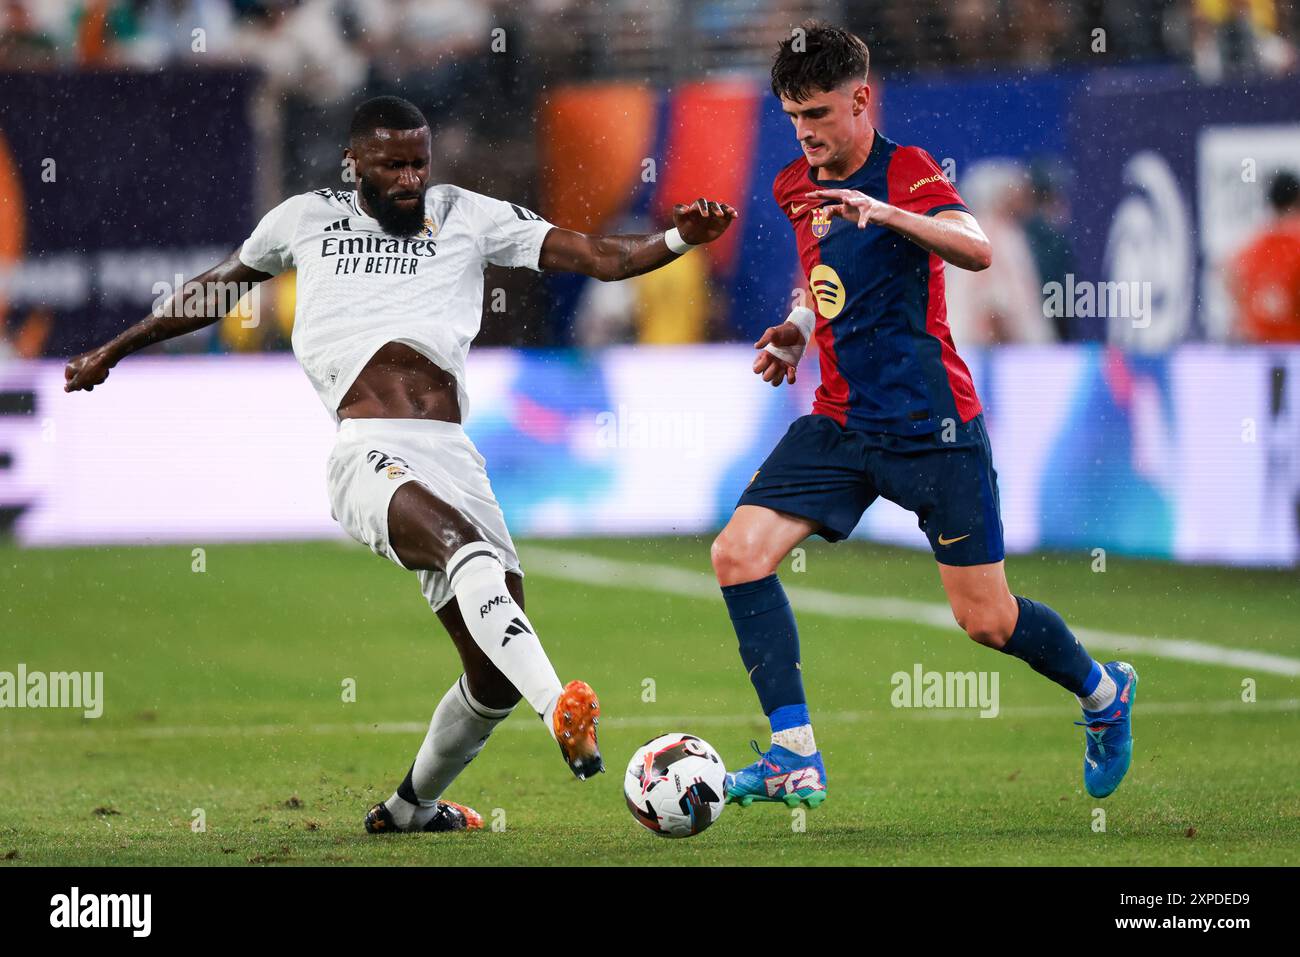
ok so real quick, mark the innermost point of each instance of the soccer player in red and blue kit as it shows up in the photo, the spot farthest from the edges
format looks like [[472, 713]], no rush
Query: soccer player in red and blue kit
[[896, 415]]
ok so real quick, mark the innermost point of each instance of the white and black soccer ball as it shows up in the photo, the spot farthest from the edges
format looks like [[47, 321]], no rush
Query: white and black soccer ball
[[674, 785]]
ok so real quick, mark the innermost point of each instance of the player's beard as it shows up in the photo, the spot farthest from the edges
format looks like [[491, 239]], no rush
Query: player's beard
[[392, 218]]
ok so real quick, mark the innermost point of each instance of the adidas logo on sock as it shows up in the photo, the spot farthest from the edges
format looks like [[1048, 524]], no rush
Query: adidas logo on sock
[[517, 627]]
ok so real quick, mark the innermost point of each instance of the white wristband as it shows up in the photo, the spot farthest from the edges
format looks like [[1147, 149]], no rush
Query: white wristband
[[673, 240], [804, 319]]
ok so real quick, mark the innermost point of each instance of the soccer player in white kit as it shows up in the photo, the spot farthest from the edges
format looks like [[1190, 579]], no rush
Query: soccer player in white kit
[[389, 298]]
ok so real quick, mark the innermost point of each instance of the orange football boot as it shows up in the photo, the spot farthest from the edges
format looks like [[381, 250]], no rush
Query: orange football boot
[[577, 712]]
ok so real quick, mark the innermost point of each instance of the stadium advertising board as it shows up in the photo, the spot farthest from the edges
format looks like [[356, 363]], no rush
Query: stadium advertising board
[[1186, 456]]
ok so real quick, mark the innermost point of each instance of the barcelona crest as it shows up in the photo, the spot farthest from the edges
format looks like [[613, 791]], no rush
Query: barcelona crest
[[821, 221]]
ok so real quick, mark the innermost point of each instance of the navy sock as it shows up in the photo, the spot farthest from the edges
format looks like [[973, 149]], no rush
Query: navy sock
[[1043, 642], [769, 642]]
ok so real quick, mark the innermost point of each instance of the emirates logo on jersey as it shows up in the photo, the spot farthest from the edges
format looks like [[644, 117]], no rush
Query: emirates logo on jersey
[[821, 221]]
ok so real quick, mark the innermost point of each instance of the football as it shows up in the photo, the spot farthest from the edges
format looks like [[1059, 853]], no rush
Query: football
[[674, 785]]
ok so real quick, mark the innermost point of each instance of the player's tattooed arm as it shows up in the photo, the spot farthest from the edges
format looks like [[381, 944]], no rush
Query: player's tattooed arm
[[952, 234], [619, 257], [203, 300]]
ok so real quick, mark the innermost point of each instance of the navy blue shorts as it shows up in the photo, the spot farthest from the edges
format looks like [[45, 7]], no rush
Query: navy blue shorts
[[829, 474]]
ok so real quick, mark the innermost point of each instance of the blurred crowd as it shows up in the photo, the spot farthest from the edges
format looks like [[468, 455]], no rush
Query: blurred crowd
[[1023, 208], [319, 57], [333, 48], [1221, 39]]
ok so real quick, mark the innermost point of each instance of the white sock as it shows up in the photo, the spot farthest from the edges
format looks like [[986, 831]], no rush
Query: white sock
[[1103, 696], [501, 628], [460, 727], [799, 740]]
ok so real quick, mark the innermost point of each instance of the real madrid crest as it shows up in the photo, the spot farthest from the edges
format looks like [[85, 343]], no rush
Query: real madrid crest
[[430, 229]]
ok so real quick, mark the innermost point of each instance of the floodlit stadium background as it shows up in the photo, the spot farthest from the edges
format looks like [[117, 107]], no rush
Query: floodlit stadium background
[[1104, 147]]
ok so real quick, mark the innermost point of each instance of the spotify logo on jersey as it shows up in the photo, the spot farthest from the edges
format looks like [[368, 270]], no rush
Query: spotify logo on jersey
[[827, 290]]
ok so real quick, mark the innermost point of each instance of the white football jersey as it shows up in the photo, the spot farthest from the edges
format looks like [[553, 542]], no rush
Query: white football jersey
[[359, 287]]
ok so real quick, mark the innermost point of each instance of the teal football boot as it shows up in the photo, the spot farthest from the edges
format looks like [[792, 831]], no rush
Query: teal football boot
[[779, 775], [1109, 750]]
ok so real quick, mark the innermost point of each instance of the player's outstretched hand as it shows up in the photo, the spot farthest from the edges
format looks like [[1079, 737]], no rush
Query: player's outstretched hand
[[87, 370], [771, 368], [702, 221], [856, 207]]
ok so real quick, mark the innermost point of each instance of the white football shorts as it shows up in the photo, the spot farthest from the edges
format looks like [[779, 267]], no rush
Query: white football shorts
[[373, 458]]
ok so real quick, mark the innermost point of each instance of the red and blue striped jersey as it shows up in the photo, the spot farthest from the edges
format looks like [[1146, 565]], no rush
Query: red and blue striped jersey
[[887, 359]]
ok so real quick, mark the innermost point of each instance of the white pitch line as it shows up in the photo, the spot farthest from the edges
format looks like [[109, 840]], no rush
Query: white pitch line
[[651, 721], [614, 573]]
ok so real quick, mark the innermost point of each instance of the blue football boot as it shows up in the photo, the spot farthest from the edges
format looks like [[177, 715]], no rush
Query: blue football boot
[[1110, 734], [779, 775]]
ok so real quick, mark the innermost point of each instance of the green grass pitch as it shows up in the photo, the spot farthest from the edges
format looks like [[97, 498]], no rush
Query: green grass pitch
[[224, 692]]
